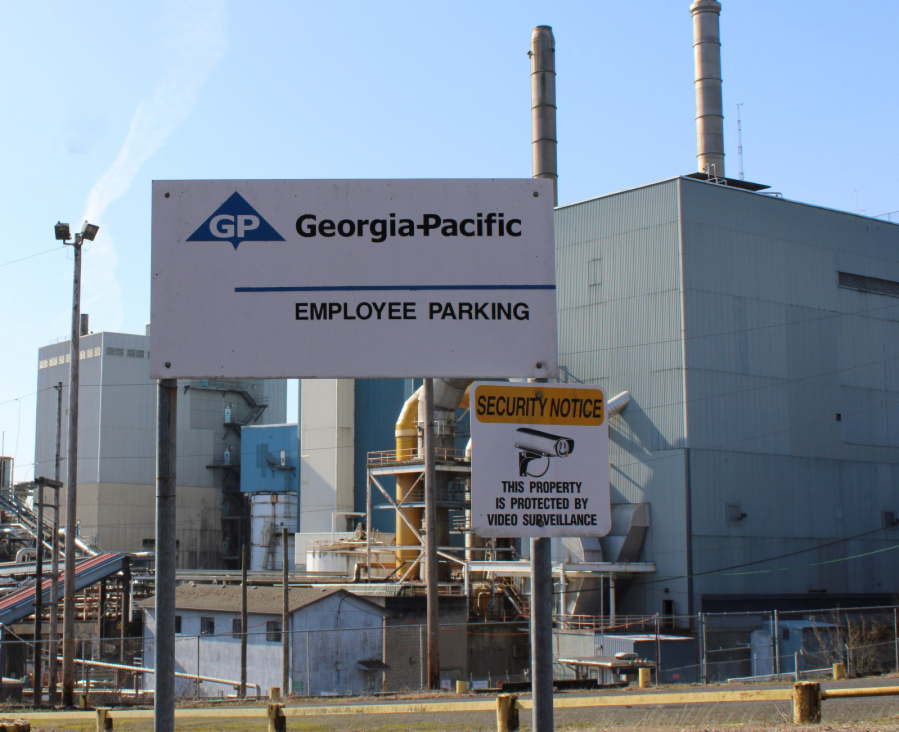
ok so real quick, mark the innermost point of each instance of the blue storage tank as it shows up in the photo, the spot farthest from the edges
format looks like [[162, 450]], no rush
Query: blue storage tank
[[269, 458]]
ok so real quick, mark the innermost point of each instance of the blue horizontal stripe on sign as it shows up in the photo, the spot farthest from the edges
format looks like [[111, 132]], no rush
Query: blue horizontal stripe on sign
[[364, 288]]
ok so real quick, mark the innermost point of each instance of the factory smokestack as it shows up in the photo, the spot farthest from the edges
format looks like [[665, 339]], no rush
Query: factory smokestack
[[543, 105], [707, 64]]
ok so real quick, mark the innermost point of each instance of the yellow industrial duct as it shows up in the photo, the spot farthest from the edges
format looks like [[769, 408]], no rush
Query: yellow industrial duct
[[407, 449]]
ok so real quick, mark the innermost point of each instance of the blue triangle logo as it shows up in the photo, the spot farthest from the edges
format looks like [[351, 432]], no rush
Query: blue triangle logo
[[235, 221]]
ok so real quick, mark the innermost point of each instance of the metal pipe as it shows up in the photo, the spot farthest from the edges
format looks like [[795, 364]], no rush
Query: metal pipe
[[68, 641], [244, 566], [368, 529], [617, 404], [166, 502], [433, 611], [776, 626], [285, 616], [406, 435], [38, 596], [142, 670], [543, 106], [707, 82], [54, 559], [612, 610]]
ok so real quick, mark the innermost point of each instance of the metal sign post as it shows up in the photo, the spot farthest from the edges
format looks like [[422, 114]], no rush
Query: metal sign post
[[540, 469], [351, 279]]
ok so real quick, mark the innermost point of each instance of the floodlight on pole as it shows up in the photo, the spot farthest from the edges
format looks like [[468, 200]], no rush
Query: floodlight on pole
[[89, 231], [63, 233]]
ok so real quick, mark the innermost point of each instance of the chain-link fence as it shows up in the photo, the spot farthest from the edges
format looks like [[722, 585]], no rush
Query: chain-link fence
[[392, 657]]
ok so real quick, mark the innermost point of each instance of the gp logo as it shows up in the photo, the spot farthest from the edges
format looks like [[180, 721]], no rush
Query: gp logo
[[235, 221]]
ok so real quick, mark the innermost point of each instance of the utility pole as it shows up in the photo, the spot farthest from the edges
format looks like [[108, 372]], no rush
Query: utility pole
[[244, 565], [38, 493], [285, 617], [88, 231], [166, 493], [433, 611], [54, 558], [68, 638], [38, 595]]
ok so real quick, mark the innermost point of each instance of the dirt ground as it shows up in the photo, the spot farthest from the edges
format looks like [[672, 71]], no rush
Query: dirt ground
[[880, 714]]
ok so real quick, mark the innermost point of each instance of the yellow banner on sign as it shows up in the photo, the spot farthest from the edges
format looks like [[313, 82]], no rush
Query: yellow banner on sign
[[538, 404]]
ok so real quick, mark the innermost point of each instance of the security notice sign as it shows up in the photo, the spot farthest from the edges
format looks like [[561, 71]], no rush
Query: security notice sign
[[540, 460], [353, 278]]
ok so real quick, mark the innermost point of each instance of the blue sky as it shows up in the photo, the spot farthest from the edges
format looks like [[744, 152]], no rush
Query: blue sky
[[103, 97]]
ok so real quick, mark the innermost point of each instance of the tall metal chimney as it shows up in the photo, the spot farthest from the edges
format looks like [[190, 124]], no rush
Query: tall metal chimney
[[543, 105], [707, 65]]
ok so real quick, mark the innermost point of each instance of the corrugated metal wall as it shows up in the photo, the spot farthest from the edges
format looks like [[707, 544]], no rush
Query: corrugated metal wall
[[619, 301], [117, 445], [326, 451], [775, 350]]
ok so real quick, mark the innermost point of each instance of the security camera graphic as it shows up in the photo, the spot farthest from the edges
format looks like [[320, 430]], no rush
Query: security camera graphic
[[536, 445]]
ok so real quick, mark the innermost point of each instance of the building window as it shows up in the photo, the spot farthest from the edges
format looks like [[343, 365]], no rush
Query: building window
[[177, 623], [115, 351], [235, 626], [207, 626], [874, 285], [889, 519], [149, 543], [273, 631], [785, 634]]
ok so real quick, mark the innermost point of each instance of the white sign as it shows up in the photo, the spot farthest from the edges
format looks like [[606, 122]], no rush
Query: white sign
[[540, 460], [353, 278]]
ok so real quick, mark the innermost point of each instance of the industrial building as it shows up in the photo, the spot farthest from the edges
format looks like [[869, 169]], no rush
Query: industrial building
[[748, 338], [755, 342], [117, 448]]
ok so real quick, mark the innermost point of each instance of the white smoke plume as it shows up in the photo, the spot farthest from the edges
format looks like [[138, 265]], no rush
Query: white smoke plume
[[196, 40]]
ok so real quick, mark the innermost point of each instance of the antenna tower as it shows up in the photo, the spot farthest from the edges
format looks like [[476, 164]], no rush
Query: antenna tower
[[740, 141]]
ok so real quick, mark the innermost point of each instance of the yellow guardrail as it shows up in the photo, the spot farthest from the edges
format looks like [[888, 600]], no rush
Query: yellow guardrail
[[806, 697]]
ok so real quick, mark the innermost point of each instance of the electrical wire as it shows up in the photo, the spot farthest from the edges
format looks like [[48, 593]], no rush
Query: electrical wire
[[31, 256], [725, 571]]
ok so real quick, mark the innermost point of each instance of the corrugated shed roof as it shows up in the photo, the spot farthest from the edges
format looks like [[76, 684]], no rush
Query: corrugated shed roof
[[260, 600]]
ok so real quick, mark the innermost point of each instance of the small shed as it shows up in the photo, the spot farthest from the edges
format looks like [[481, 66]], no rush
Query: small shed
[[677, 662], [818, 644], [336, 640]]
